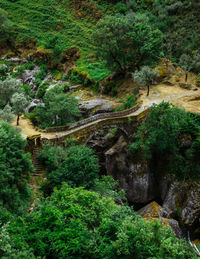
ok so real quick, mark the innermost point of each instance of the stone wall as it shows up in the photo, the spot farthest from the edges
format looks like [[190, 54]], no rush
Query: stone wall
[[93, 118]]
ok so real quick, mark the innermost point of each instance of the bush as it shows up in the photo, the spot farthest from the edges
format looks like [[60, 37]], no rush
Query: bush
[[76, 165], [76, 223], [129, 102], [79, 77], [162, 136], [42, 90], [15, 167]]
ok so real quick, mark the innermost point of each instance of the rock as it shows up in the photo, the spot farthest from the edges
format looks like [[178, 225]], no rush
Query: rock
[[174, 226], [56, 83], [17, 60], [191, 207], [100, 144], [47, 78], [183, 198], [33, 104], [29, 78], [164, 183], [135, 178], [97, 104], [175, 197], [185, 86], [154, 211], [74, 87]]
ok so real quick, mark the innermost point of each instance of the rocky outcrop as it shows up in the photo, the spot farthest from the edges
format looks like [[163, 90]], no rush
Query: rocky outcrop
[[154, 211], [95, 106], [183, 200], [135, 178], [29, 78], [33, 104]]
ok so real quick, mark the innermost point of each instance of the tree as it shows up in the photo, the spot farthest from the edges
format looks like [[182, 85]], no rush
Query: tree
[[15, 166], [7, 88], [188, 63], [58, 108], [19, 103], [78, 166], [145, 77], [161, 137], [5, 25], [6, 113], [77, 223], [122, 44]]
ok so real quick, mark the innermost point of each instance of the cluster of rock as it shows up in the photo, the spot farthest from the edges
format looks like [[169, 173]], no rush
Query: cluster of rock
[[180, 200]]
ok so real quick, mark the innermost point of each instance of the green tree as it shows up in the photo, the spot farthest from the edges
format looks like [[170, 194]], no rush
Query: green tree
[[122, 43], [6, 114], [8, 244], [7, 88], [189, 63], [76, 223], [5, 25], [15, 166], [78, 166], [145, 77], [161, 138], [58, 108], [19, 103]]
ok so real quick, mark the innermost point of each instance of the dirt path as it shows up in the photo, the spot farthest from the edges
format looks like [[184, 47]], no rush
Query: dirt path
[[188, 99], [26, 129]]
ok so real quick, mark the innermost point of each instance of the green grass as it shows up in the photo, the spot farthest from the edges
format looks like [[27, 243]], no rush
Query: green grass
[[56, 26]]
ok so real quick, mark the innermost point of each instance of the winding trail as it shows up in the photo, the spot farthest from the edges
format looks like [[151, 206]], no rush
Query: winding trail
[[158, 94]]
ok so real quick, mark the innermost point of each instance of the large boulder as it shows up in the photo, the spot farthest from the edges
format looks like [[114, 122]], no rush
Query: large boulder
[[154, 211], [183, 200], [96, 105], [28, 77], [134, 177]]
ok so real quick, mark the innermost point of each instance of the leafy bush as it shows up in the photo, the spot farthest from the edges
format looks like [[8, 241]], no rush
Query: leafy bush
[[162, 136], [42, 90], [76, 223], [15, 167], [58, 108], [76, 165], [129, 102]]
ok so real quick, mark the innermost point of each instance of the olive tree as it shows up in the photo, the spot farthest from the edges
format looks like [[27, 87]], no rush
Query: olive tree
[[19, 103], [189, 63], [145, 77]]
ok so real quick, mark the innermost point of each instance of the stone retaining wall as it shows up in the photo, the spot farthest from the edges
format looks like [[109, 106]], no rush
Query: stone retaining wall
[[93, 118], [81, 135]]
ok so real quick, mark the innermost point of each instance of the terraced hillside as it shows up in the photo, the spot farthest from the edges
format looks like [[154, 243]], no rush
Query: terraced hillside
[[58, 26]]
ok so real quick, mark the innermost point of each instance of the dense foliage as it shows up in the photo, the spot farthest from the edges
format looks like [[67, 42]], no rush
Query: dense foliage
[[123, 44], [170, 134], [15, 166], [58, 108], [76, 223], [12, 99], [76, 165]]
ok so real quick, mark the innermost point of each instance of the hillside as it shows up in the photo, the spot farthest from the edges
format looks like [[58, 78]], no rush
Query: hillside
[[100, 129]]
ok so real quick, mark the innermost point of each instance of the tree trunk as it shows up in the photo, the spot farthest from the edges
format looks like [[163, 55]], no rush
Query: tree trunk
[[186, 77], [116, 61], [147, 90], [18, 120]]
